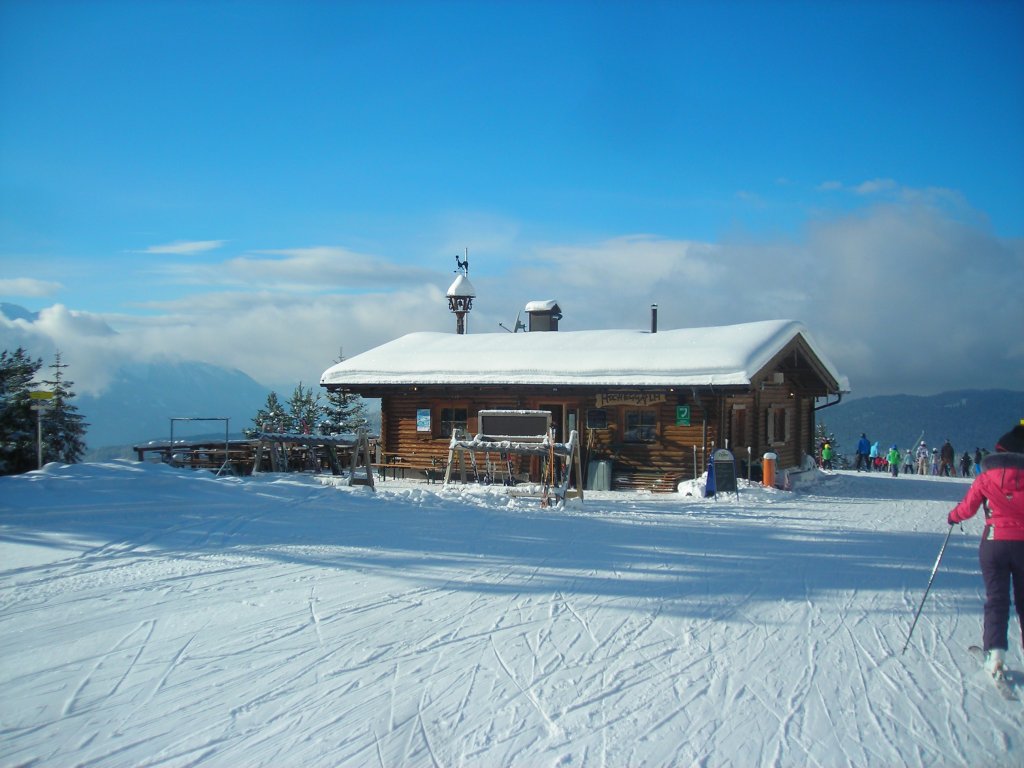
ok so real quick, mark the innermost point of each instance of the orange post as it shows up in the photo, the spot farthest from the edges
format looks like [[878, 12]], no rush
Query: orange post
[[768, 462]]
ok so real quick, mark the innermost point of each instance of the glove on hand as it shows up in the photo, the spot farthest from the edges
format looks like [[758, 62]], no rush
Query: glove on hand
[[951, 520]]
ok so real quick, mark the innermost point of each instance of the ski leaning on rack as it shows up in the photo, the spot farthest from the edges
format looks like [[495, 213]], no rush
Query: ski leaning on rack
[[1001, 683]]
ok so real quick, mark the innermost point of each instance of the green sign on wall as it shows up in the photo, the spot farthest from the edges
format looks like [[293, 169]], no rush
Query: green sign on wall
[[682, 415]]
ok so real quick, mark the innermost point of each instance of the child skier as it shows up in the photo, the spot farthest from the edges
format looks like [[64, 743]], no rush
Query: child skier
[[894, 461], [1000, 487], [826, 455]]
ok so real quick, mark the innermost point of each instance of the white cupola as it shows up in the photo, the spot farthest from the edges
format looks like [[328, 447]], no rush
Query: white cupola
[[461, 294]]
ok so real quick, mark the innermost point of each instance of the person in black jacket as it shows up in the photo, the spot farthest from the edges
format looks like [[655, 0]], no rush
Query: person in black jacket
[[947, 460], [965, 465]]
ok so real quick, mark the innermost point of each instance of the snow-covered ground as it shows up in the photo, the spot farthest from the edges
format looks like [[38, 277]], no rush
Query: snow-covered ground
[[152, 616]]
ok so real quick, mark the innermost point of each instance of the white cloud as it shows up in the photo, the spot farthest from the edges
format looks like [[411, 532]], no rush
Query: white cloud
[[929, 299], [87, 344], [892, 190], [186, 247], [28, 287], [313, 269], [900, 294], [875, 186], [322, 267], [908, 295], [280, 338], [863, 189]]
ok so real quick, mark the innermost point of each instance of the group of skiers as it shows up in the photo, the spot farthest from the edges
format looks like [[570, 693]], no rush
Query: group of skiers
[[937, 462]]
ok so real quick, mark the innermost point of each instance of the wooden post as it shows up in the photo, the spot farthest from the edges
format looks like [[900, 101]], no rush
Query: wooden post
[[332, 457], [361, 460], [451, 460]]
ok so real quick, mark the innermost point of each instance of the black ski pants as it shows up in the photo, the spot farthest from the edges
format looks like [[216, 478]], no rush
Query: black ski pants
[[1002, 562]]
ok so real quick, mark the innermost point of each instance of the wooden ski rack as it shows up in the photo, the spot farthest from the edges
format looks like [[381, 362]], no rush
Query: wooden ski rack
[[542, 446]]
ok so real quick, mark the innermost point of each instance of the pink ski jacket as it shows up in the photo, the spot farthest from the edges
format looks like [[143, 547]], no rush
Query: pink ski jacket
[[1001, 483]]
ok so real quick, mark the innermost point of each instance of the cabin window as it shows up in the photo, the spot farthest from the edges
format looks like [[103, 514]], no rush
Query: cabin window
[[452, 419], [777, 426], [641, 426], [597, 418]]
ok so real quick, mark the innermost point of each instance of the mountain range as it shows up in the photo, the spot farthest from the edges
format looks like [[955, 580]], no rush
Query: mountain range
[[969, 419], [143, 397]]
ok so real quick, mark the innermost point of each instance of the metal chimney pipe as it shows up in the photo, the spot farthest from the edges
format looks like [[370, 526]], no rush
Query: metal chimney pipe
[[654, 318]]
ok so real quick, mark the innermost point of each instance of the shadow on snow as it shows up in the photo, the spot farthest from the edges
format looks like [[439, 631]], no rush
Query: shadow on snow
[[687, 556]]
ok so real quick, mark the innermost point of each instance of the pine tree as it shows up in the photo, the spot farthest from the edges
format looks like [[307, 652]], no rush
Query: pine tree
[[63, 426], [344, 413], [272, 417], [17, 420], [305, 413], [305, 409]]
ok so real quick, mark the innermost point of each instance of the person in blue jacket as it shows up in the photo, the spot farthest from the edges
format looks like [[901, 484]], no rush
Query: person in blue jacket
[[863, 449]]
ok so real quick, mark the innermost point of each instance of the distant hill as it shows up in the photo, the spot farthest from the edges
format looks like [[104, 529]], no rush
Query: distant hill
[[143, 397], [15, 312], [970, 418], [141, 400]]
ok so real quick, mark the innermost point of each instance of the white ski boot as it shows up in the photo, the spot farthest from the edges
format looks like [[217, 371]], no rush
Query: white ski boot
[[994, 663]]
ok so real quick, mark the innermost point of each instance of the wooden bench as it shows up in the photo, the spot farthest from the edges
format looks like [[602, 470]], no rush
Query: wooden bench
[[432, 470], [656, 481]]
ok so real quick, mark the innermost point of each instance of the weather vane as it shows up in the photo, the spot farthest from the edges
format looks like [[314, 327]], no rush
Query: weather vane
[[462, 264]]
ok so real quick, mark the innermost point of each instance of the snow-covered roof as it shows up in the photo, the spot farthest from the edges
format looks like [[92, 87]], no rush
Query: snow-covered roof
[[717, 356], [544, 305]]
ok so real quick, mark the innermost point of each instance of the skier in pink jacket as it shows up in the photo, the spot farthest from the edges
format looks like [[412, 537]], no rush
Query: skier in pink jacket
[[1000, 488]]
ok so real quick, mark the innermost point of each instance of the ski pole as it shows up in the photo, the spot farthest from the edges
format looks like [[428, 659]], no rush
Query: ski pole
[[931, 578]]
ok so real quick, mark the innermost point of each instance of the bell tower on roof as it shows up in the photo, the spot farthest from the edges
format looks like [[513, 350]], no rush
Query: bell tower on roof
[[461, 293]]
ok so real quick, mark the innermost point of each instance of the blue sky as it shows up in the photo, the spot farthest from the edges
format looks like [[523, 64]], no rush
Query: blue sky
[[258, 184]]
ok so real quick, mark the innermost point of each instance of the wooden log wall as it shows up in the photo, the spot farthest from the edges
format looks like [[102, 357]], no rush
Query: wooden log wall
[[667, 461], [800, 419], [736, 421], [399, 435]]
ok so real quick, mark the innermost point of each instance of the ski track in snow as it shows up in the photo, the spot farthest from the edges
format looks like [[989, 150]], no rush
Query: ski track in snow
[[279, 621]]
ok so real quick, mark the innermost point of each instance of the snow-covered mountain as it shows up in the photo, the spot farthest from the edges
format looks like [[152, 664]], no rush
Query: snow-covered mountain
[[143, 397]]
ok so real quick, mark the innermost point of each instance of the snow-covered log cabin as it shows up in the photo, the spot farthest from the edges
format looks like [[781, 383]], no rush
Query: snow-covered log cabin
[[652, 404]]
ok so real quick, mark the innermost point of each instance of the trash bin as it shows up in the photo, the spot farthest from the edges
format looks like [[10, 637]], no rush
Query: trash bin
[[599, 476], [768, 462]]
